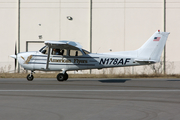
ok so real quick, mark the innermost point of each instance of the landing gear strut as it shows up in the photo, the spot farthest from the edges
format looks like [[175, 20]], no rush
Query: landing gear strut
[[30, 76], [62, 77]]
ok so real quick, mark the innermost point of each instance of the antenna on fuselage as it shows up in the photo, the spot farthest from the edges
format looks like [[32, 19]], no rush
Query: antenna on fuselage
[[98, 50]]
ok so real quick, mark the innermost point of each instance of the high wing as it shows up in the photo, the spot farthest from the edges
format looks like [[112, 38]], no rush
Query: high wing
[[63, 44]]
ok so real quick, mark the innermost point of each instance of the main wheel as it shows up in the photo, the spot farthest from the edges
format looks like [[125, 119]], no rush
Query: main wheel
[[65, 76], [30, 77], [60, 77]]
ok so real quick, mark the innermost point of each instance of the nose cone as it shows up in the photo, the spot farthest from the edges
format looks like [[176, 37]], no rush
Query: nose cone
[[13, 56]]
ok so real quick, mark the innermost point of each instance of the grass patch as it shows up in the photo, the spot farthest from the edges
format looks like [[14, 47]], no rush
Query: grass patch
[[53, 75]]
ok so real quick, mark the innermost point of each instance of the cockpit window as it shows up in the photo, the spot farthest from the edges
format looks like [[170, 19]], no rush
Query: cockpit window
[[44, 50], [56, 51], [75, 53], [63, 52], [86, 52]]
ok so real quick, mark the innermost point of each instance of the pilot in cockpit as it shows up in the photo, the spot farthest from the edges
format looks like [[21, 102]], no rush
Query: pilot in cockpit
[[56, 51]]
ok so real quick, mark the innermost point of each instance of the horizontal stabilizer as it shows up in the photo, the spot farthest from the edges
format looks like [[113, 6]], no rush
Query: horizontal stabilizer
[[145, 61]]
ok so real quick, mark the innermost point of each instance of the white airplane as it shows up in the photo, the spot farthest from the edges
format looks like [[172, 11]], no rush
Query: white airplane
[[68, 55]]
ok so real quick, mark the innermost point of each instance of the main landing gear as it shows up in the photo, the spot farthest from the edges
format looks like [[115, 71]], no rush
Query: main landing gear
[[62, 77], [30, 76]]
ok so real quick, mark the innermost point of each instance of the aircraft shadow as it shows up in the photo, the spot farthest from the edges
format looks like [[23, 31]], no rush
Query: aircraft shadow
[[114, 80], [173, 80]]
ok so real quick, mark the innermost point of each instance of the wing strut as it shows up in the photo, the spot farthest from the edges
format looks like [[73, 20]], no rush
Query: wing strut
[[47, 64]]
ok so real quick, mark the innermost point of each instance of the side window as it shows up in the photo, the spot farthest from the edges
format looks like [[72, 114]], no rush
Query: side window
[[75, 53], [56, 51], [65, 52]]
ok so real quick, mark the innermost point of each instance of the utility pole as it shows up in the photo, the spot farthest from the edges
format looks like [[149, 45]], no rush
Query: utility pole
[[165, 31], [90, 28], [90, 25]]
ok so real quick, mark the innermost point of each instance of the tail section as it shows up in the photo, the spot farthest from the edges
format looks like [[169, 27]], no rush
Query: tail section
[[152, 49]]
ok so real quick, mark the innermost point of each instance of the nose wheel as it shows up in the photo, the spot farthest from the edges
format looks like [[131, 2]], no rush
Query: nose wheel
[[30, 77], [62, 77]]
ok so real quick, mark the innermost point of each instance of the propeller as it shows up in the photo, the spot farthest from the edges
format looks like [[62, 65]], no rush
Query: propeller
[[16, 56]]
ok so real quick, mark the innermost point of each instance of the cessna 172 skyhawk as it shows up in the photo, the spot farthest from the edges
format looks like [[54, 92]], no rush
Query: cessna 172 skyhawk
[[68, 55]]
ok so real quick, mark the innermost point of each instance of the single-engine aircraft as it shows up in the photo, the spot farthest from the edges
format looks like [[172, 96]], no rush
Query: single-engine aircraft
[[68, 55]]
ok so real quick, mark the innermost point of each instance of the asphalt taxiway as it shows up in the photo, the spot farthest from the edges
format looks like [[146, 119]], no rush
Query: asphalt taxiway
[[89, 99]]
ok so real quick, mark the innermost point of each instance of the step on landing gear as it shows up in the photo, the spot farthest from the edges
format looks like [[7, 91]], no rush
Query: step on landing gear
[[62, 77], [30, 76]]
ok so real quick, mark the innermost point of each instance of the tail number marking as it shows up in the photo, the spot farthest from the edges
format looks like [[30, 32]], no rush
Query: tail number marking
[[114, 61]]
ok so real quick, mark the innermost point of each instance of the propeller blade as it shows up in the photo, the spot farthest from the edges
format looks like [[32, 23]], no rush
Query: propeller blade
[[15, 49], [16, 56]]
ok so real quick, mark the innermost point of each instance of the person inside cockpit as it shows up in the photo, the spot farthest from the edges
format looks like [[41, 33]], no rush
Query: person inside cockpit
[[56, 51]]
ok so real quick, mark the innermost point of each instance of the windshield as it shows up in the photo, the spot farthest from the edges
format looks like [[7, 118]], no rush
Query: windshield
[[42, 48]]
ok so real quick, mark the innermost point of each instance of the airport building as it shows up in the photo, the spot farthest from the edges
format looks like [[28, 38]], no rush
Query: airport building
[[98, 25]]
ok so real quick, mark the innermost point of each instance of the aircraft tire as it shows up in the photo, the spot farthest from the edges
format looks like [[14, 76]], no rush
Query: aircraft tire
[[30, 77], [65, 76], [60, 77]]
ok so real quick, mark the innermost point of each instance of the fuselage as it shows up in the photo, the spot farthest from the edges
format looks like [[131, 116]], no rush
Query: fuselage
[[38, 61]]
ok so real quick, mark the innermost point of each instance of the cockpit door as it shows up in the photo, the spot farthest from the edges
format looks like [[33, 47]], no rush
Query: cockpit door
[[41, 59], [57, 59]]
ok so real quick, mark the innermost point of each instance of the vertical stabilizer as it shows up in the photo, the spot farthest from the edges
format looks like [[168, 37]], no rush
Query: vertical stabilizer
[[153, 47]]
